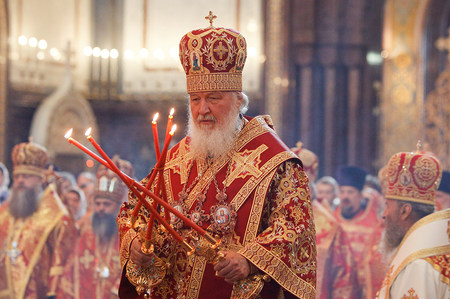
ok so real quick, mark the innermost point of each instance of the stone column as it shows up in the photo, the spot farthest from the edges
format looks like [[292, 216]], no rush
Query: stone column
[[3, 78]]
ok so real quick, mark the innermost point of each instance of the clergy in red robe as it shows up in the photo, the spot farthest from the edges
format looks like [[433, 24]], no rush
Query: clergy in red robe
[[336, 270], [36, 233], [93, 270], [359, 220], [233, 164]]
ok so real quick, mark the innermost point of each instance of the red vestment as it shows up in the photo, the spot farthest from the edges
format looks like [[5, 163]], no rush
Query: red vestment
[[336, 272], [274, 228], [364, 231], [93, 270], [34, 248]]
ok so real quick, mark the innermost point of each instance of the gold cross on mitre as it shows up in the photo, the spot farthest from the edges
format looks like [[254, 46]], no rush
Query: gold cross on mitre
[[419, 146], [211, 17]]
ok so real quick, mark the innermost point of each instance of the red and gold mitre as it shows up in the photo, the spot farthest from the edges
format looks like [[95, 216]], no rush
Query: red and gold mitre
[[108, 184], [29, 158], [413, 177], [213, 58], [309, 160]]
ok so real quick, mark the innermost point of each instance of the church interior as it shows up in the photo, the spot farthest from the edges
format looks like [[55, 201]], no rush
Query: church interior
[[354, 81]]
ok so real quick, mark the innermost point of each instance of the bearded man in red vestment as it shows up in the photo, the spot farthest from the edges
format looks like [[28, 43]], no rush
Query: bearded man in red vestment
[[359, 220], [232, 163], [36, 232], [93, 270]]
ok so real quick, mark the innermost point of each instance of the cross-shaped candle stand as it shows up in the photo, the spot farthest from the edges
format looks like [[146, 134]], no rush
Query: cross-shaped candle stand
[[141, 192]]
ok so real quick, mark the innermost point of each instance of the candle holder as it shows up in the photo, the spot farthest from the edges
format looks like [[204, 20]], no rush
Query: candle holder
[[144, 278], [249, 287]]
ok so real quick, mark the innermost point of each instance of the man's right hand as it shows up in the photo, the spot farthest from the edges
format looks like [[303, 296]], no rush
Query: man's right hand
[[138, 257]]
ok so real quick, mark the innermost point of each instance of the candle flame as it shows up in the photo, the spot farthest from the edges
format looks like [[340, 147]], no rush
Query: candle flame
[[172, 111], [155, 117], [68, 134], [88, 132], [174, 127]]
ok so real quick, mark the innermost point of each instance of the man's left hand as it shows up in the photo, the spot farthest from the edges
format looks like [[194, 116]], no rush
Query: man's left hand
[[232, 267]]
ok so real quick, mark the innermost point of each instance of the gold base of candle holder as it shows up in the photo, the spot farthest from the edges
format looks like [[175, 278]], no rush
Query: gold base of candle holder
[[143, 278], [250, 287]]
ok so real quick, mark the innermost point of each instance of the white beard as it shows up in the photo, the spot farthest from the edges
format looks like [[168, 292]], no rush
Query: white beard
[[215, 142]]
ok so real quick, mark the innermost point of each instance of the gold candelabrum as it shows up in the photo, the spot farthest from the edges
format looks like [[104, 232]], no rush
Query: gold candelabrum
[[151, 236]]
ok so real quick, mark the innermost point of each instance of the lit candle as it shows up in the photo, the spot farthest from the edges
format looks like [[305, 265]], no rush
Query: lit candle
[[169, 122], [155, 135], [113, 166], [83, 148], [135, 187], [159, 165]]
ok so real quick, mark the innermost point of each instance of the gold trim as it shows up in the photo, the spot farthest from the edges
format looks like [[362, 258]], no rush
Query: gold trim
[[195, 282], [251, 231], [208, 176], [273, 266], [424, 201], [436, 216], [245, 191], [435, 266], [423, 253], [214, 82], [58, 270]]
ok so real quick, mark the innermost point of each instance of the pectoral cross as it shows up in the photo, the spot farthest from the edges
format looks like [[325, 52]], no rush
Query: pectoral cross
[[14, 252]]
